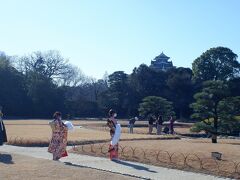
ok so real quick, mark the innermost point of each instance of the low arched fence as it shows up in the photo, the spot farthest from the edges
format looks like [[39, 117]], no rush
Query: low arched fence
[[191, 161]]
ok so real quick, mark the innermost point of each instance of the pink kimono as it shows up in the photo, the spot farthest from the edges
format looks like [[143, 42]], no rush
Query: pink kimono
[[58, 142]]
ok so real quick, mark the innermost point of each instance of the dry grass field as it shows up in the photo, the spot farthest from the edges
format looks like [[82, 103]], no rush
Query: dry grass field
[[40, 130], [141, 127], [188, 146]]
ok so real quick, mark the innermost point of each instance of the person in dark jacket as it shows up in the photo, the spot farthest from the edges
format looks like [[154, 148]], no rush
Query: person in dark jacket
[[3, 134], [131, 124], [151, 120]]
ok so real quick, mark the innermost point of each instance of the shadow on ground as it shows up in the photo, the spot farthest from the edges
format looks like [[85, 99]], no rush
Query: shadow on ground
[[135, 166], [6, 159]]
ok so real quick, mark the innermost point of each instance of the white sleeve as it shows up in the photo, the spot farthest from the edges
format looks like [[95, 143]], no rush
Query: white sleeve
[[69, 125], [116, 135]]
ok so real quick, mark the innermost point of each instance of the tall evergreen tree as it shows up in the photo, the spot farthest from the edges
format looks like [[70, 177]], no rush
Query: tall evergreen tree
[[206, 107], [218, 63]]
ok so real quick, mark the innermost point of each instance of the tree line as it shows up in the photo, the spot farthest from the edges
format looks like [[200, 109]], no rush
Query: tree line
[[40, 83]]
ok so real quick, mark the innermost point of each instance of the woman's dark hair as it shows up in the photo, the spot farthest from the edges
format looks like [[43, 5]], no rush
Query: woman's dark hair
[[111, 112], [57, 114]]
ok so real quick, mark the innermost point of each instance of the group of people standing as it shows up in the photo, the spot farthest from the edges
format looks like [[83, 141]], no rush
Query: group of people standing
[[155, 122], [159, 125]]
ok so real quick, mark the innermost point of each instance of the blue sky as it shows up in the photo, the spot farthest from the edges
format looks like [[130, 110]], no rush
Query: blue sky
[[104, 35]]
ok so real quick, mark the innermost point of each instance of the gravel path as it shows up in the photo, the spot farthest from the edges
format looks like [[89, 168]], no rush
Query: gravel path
[[128, 169]]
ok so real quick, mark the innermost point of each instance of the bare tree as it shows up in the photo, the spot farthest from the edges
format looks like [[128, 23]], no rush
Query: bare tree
[[51, 65], [75, 77]]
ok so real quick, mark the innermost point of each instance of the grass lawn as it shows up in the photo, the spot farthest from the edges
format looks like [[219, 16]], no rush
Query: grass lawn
[[40, 130]]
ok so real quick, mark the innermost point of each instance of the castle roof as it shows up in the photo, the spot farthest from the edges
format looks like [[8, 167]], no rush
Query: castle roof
[[161, 62], [161, 56]]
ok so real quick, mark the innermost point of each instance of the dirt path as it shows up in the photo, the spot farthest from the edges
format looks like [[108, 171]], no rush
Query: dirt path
[[20, 167]]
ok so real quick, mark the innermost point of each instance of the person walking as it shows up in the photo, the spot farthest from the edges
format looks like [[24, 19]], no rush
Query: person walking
[[3, 134], [58, 141], [131, 124], [159, 124], [151, 120], [115, 133]]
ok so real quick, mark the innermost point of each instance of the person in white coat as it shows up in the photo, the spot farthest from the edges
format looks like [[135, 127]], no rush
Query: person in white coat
[[115, 133]]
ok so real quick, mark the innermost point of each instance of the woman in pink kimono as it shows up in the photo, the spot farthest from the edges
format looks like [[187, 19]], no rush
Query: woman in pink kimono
[[58, 142], [115, 133]]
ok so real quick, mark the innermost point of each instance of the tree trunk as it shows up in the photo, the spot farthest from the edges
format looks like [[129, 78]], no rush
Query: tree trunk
[[214, 138]]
